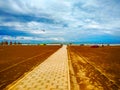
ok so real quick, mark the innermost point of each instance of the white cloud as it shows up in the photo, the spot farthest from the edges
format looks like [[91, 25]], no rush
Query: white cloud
[[6, 37], [93, 26], [22, 38], [31, 26], [86, 15]]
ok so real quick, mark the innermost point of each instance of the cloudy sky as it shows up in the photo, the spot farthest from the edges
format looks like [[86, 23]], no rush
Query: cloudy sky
[[60, 20]]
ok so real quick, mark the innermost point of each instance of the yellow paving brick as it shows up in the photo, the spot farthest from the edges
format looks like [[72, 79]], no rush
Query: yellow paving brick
[[52, 74]]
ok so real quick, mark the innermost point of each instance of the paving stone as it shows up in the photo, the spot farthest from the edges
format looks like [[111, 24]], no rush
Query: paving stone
[[52, 74]]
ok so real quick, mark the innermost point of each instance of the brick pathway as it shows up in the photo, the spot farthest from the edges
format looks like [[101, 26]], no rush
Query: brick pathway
[[52, 74]]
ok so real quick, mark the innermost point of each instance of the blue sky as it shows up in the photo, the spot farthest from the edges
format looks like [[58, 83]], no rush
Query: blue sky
[[63, 21]]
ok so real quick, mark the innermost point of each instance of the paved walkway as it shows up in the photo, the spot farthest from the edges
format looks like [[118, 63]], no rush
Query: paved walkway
[[52, 74]]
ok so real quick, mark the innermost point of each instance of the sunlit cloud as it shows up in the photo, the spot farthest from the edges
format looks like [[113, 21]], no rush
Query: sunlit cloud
[[66, 20]]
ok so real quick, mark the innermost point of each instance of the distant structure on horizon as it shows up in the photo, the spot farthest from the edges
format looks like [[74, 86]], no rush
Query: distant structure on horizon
[[10, 43]]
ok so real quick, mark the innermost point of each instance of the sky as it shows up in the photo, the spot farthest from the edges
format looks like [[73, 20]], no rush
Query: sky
[[35, 21]]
